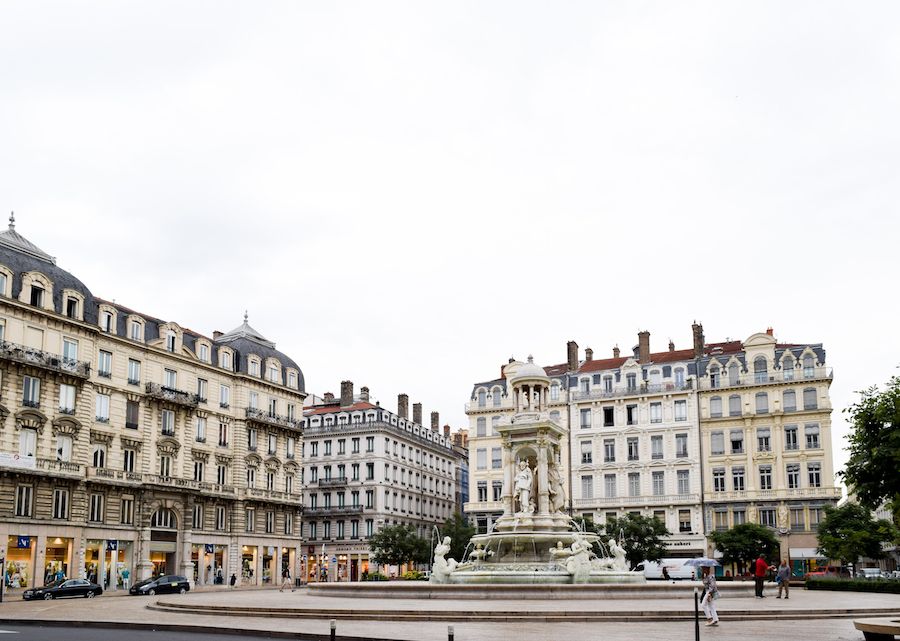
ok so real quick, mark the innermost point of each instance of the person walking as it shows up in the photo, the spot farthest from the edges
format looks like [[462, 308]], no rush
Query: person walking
[[286, 580], [710, 594], [783, 579], [233, 580], [760, 570]]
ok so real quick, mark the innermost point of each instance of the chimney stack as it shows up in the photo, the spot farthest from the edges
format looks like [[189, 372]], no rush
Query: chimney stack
[[446, 431], [770, 331], [346, 393], [435, 422], [698, 339], [572, 347], [417, 413], [616, 351], [364, 394], [671, 345], [644, 347], [403, 406], [216, 335], [328, 397], [588, 354]]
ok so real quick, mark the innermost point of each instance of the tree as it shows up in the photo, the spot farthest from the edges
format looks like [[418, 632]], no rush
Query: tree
[[459, 531], [743, 543], [641, 536], [849, 532], [398, 544], [873, 471]]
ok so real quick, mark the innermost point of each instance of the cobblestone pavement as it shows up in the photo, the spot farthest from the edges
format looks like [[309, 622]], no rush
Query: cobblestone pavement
[[133, 609]]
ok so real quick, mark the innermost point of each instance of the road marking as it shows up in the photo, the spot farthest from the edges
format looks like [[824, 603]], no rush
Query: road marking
[[8, 632]]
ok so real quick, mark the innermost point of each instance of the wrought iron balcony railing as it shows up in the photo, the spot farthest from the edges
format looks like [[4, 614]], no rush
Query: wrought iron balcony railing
[[45, 360], [171, 395], [267, 418]]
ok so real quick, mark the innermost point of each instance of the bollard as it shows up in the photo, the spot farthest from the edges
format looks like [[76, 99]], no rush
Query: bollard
[[449, 633], [333, 629], [696, 616]]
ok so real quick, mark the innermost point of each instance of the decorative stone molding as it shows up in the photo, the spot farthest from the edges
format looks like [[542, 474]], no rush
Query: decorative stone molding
[[291, 467], [102, 438], [66, 426], [223, 459], [202, 414], [199, 455], [168, 445], [31, 419], [272, 464], [252, 460], [131, 443]]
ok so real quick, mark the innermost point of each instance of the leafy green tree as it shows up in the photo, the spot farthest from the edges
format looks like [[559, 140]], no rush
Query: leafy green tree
[[743, 543], [850, 532], [459, 531], [398, 544], [641, 536], [872, 471]]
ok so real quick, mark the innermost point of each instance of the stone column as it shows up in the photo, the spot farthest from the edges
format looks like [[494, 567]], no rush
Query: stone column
[[144, 566], [543, 491], [509, 465], [101, 564], [187, 564], [40, 561]]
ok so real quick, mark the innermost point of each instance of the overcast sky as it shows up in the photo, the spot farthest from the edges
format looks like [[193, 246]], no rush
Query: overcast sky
[[406, 194]]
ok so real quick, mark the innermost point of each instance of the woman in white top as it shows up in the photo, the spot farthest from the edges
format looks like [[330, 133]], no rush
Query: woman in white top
[[710, 594]]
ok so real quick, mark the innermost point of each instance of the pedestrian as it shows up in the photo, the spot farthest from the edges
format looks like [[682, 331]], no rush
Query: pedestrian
[[665, 573], [286, 580], [760, 570], [233, 580], [783, 579], [710, 594]]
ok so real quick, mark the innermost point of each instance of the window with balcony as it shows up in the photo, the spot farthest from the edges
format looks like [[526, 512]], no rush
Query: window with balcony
[[221, 474], [631, 382], [765, 477], [683, 477], [98, 455], [199, 469], [70, 350], [814, 472], [251, 479], [609, 450], [658, 480], [812, 436], [714, 376], [165, 466], [656, 447], [31, 391], [737, 479], [760, 370], [633, 448], [634, 484], [496, 489], [718, 475], [609, 485], [270, 481], [482, 398], [656, 412], [808, 366], [793, 476], [763, 439], [482, 491], [128, 456], [63, 447]]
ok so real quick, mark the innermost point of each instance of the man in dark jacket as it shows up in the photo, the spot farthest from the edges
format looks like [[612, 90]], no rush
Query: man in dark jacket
[[760, 574]]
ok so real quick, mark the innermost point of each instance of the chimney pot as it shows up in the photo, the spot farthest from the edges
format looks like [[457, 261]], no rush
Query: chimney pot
[[446, 431], [435, 422], [403, 406], [644, 346], [417, 413], [346, 393], [770, 331], [328, 397], [216, 334], [671, 345], [616, 351], [588, 354], [697, 330], [364, 394], [572, 348]]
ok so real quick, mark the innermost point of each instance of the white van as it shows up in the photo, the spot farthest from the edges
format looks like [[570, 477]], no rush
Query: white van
[[675, 568]]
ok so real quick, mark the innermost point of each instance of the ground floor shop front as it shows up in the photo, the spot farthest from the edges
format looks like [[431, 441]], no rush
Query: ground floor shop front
[[33, 555], [335, 562]]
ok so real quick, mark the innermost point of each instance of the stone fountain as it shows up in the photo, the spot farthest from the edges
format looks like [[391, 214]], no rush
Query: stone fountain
[[534, 541]]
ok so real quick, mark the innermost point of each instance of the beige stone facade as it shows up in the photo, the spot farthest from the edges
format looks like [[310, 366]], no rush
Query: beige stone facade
[[131, 446]]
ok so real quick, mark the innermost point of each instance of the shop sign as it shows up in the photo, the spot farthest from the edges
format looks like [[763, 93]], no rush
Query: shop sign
[[334, 559], [112, 546], [208, 548], [23, 542], [8, 459]]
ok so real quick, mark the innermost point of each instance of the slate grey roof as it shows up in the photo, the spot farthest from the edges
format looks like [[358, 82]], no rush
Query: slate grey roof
[[245, 340]]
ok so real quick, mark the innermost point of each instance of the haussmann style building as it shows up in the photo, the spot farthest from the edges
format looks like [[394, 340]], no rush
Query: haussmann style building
[[650, 433], [131, 446]]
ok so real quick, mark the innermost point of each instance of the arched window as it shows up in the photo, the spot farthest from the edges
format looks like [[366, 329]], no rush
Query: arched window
[[99, 457], [787, 367], [482, 398], [760, 369], [810, 402], [497, 396], [715, 407], [164, 518], [734, 374], [714, 376], [762, 403], [808, 363], [789, 402], [734, 405]]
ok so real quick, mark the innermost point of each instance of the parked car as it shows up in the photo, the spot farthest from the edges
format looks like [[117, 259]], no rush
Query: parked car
[[62, 589], [166, 584], [870, 573], [829, 572]]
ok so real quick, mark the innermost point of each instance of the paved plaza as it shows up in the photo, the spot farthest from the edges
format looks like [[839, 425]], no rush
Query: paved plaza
[[796, 619]]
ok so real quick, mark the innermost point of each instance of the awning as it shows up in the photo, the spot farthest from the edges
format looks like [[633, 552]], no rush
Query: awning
[[805, 553]]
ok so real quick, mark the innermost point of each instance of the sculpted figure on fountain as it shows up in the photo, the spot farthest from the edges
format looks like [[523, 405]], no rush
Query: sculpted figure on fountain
[[524, 483], [442, 567]]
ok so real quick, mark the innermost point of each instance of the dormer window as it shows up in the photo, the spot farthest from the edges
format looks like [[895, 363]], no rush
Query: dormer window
[[106, 319], [254, 368], [136, 330], [170, 341], [204, 352], [273, 374], [72, 307], [225, 360], [37, 296], [292, 380], [4, 281]]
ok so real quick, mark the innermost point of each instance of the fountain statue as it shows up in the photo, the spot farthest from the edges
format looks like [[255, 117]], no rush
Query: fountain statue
[[534, 541]]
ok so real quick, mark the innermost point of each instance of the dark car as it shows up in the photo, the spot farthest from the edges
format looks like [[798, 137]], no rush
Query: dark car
[[167, 584], [62, 589]]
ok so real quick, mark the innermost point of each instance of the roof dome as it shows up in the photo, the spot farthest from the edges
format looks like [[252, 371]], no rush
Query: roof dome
[[528, 370], [245, 341]]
